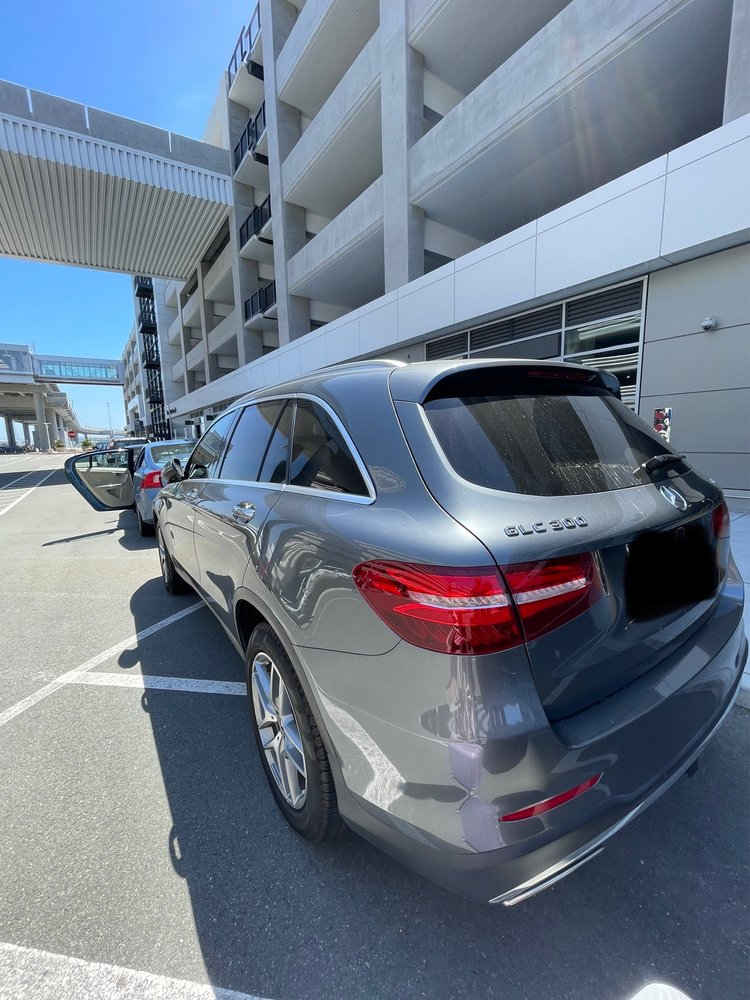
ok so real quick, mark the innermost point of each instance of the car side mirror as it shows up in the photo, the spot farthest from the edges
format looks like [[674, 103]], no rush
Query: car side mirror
[[172, 472]]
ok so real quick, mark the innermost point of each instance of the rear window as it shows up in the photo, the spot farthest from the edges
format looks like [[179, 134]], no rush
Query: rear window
[[551, 443], [163, 453]]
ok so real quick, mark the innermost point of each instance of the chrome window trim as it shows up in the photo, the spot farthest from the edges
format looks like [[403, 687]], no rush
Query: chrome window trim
[[329, 494], [287, 488]]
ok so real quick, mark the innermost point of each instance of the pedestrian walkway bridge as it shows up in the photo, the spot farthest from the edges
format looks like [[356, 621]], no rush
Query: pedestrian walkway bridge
[[84, 187]]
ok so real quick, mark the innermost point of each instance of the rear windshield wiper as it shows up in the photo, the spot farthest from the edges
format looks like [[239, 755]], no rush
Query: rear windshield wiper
[[659, 462]]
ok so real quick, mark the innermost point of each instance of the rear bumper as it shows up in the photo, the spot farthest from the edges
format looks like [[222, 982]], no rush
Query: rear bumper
[[145, 504], [514, 872], [565, 866]]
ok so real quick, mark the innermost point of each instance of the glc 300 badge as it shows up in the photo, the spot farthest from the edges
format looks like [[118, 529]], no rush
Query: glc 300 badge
[[539, 527]]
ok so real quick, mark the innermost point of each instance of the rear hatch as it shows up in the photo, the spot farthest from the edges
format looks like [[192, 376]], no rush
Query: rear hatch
[[613, 549]]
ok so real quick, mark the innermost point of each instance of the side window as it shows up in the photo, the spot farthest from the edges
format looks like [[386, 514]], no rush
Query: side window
[[204, 461], [274, 465], [249, 440], [321, 458]]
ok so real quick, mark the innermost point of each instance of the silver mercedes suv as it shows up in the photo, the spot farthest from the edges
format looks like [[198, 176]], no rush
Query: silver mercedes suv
[[488, 615]]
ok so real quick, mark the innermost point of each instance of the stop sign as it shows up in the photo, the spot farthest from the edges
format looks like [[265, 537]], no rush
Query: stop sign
[[72, 434]]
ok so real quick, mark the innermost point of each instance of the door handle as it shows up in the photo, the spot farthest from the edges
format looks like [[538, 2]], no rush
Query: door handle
[[243, 512]]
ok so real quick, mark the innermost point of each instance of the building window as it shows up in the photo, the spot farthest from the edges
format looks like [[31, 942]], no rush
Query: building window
[[601, 330], [604, 331]]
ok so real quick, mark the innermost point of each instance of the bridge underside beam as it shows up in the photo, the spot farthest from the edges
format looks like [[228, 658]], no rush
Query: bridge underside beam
[[71, 199]]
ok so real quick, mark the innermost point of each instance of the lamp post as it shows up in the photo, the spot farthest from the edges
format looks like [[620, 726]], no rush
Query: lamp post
[[109, 415]]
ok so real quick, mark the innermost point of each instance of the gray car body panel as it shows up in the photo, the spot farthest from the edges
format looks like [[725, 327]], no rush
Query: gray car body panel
[[429, 750]]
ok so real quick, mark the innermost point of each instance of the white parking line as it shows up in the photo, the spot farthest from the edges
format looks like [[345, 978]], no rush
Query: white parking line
[[26, 492], [70, 675], [17, 480], [31, 974], [140, 683]]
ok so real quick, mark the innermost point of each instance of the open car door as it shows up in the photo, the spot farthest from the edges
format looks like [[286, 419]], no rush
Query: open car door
[[104, 478]]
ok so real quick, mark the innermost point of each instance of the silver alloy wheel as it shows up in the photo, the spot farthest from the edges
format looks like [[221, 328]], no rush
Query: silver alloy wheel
[[279, 731]]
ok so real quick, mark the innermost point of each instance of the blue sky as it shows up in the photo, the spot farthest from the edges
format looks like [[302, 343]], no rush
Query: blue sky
[[159, 63]]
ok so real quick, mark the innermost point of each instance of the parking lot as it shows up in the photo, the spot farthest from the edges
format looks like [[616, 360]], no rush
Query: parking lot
[[137, 830]]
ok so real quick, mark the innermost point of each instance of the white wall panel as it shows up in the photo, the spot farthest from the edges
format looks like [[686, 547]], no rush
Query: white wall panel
[[426, 304], [708, 199], [289, 363], [343, 342], [378, 328], [312, 352], [619, 234], [495, 282]]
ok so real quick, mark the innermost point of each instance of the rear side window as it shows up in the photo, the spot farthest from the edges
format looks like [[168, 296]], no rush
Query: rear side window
[[163, 453], [204, 463], [552, 443], [275, 462], [249, 441], [321, 459]]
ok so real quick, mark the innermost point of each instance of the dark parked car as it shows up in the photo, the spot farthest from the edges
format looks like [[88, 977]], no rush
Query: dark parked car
[[488, 614]]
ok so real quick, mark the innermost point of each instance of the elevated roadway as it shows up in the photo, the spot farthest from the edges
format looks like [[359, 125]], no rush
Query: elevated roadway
[[85, 187]]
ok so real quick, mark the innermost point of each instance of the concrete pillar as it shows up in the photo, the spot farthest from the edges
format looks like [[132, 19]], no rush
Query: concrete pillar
[[41, 422], [401, 103], [737, 90], [284, 130], [26, 434], [207, 324], [10, 432]]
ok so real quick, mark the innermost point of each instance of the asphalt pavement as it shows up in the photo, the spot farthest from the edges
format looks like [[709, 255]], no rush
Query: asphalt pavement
[[142, 855]]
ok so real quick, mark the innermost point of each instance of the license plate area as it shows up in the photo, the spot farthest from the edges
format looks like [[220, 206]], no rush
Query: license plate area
[[668, 571]]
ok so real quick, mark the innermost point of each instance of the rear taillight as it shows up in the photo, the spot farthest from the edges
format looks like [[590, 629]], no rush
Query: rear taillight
[[720, 520], [449, 610], [152, 481], [552, 592], [474, 611]]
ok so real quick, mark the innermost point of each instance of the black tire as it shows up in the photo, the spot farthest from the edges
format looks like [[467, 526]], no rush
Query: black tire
[[144, 529], [173, 582], [318, 818]]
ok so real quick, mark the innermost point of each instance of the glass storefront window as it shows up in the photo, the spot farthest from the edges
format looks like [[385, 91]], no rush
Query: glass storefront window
[[603, 334], [622, 363]]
